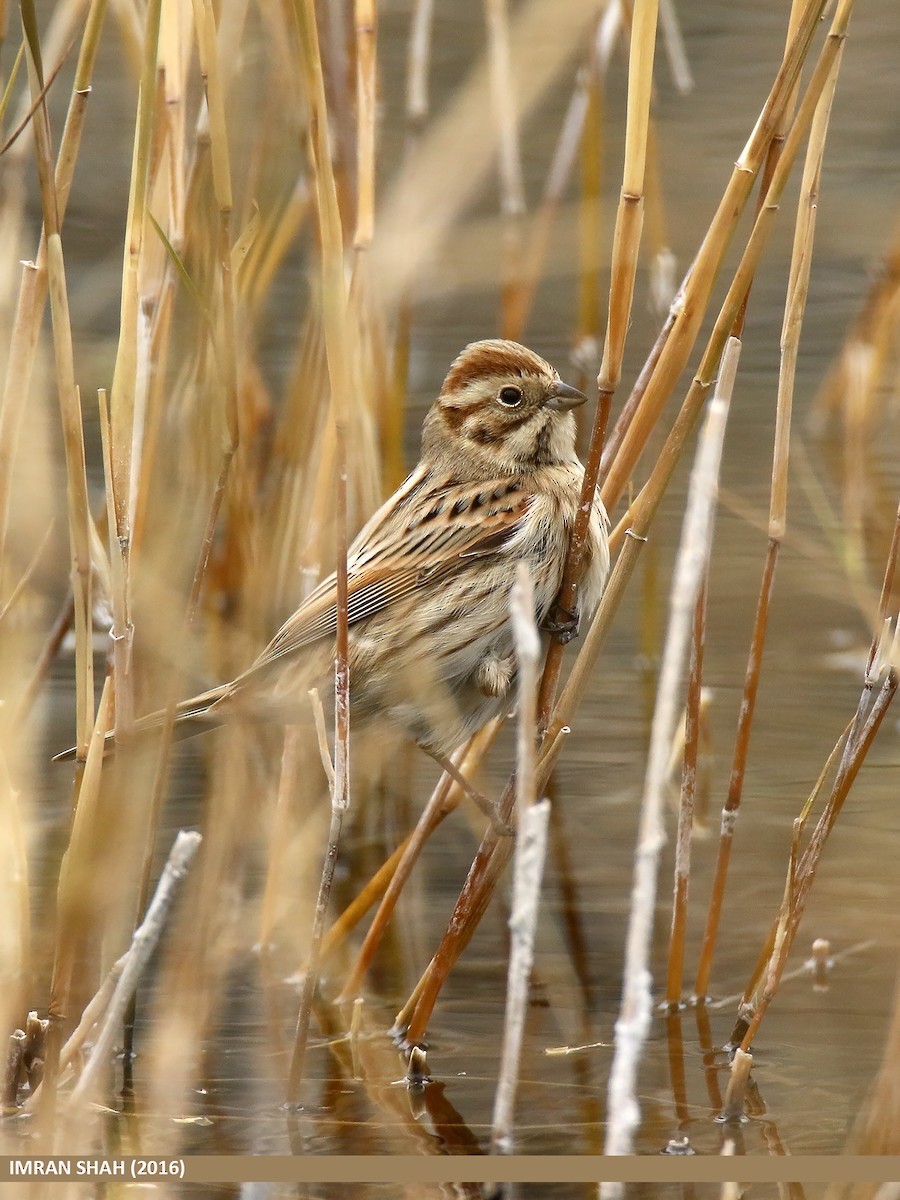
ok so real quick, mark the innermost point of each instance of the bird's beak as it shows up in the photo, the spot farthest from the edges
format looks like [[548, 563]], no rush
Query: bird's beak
[[561, 397]]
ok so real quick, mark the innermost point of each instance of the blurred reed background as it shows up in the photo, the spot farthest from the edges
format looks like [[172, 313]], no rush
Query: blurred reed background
[[239, 246]]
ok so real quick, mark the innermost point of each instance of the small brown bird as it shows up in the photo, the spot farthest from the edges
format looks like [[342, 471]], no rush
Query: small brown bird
[[429, 576]]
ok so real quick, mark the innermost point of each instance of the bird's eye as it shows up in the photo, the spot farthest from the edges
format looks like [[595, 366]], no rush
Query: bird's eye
[[510, 397]]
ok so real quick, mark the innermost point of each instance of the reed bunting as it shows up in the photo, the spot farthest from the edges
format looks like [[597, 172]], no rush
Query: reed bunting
[[429, 576]]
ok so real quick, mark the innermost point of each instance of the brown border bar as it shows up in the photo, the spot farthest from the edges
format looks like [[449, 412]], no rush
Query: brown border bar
[[519, 1168]]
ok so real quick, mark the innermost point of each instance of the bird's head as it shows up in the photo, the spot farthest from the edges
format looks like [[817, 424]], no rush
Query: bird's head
[[501, 410]]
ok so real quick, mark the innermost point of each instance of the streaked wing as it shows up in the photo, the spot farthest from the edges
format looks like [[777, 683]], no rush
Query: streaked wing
[[424, 532]]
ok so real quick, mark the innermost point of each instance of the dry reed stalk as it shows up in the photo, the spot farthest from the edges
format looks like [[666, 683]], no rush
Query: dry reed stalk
[[736, 1091], [733, 1189], [629, 218], [299, 527], [190, 232], [338, 350], [528, 652], [590, 225], [220, 331], [419, 63], [159, 365], [766, 952], [160, 353], [277, 235], [662, 286], [640, 77], [36, 102], [122, 632], [684, 832], [127, 449], [649, 621], [519, 304], [23, 344], [63, 26], [60, 627], [568, 589], [802, 872], [143, 943], [776, 145], [778, 944], [217, 365], [340, 798], [503, 93], [376, 887], [176, 34], [868, 716], [10, 84], [93, 1011], [530, 857], [123, 395], [366, 80], [417, 108], [487, 866], [15, 940], [69, 399], [531, 850], [673, 43], [636, 395], [682, 326], [211, 73], [380, 438], [633, 1022], [322, 737], [795, 307], [33, 289], [446, 796], [77, 901], [736, 303]]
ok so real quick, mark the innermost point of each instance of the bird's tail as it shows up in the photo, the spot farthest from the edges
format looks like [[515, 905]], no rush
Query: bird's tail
[[193, 716]]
